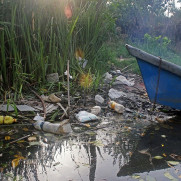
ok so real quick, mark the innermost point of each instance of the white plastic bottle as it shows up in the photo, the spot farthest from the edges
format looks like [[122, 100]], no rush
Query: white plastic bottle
[[117, 107]]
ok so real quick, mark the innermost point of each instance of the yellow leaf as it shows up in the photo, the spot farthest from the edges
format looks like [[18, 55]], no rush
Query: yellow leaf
[[32, 138], [21, 141], [173, 162], [16, 156], [15, 162], [164, 154], [87, 125], [7, 138], [79, 54], [158, 157], [25, 129]]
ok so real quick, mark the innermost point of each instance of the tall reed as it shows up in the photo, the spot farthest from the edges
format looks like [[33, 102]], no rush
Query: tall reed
[[37, 38]]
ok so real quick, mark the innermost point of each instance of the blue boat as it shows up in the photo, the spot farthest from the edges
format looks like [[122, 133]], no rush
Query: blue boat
[[162, 79]]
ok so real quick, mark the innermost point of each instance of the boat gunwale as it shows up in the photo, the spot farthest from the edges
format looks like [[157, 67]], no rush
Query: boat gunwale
[[171, 67]]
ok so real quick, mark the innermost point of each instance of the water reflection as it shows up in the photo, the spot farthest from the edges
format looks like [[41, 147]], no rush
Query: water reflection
[[160, 140], [106, 154]]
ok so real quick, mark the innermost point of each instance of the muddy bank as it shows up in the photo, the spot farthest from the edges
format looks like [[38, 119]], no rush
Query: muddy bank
[[105, 149]]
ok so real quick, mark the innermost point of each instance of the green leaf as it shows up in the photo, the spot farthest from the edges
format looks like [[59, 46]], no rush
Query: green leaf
[[168, 175], [173, 162]]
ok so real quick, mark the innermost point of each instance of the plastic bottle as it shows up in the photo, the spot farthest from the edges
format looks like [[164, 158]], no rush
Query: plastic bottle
[[56, 128], [7, 120], [117, 107]]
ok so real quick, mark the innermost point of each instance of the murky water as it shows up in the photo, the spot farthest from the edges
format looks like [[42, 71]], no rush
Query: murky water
[[119, 151]]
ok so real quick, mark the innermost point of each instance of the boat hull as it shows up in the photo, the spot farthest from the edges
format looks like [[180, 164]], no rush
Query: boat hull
[[169, 87], [162, 79]]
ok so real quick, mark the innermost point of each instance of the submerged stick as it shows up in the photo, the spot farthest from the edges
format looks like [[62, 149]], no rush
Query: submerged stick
[[20, 139], [68, 87]]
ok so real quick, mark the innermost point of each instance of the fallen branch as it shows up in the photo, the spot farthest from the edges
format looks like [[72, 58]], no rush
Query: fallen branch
[[10, 125], [20, 139], [64, 114], [42, 101], [65, 110]]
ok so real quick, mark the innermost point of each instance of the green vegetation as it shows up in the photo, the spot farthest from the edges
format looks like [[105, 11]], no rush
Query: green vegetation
[[37, 37]]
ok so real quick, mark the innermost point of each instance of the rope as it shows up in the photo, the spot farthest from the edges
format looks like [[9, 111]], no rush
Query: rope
[[158, 80]]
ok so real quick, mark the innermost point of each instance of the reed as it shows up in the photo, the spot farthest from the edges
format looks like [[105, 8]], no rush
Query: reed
[[38, 37]]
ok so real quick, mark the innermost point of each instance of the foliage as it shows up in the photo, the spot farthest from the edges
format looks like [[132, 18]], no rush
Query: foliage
[[38, 37], [158, 46]]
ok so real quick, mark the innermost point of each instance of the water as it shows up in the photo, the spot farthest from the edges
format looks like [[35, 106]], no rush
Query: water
[[108, 154]]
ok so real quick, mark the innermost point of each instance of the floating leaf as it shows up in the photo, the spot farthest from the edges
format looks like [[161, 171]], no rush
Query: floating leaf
[[164, 154], [163, 136], [144, 151], [7, 138], [87, 125], [173, 162], [15, 162], [149, 178], [168, 175], [32, 138], [158, 157], [25, 129], [34, 143], [136, 176], [96, 143], [20, 141]]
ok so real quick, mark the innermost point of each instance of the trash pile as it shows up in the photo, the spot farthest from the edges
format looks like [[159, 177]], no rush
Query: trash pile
[[120, 94]]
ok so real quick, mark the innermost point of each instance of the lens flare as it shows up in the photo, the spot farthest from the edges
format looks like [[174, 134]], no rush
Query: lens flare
[[68, 11]]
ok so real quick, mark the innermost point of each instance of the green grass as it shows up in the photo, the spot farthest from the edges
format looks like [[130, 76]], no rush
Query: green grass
[[37, 39]]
